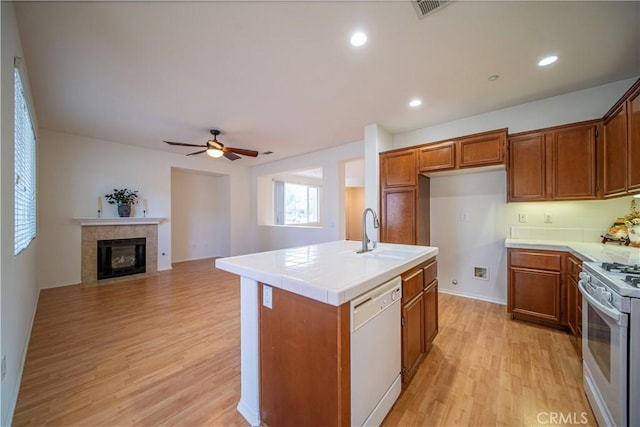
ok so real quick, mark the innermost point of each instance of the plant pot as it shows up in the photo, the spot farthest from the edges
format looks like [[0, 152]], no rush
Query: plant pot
[[124, 211], [634, 236]]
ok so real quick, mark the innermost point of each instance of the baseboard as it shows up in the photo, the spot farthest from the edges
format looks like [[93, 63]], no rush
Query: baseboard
[[195, 259], [472, 296], [7, 418], [251, 416], [61, 285]]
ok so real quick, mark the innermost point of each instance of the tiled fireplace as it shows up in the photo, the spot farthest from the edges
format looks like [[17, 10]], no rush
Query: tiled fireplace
[[120, 247]]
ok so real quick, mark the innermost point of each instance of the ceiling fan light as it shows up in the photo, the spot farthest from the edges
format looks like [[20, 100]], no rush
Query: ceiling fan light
[[212, 152]]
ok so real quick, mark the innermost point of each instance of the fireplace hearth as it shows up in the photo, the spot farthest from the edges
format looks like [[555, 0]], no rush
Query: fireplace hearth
[[121, 257]]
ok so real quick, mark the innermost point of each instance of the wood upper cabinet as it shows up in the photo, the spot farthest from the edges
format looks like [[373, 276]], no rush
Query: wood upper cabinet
[[557, 163], [574, 153], [633, 140], [482, 150], [437, 157], [535, 286], [615, 152], [398, 169], [527, 167]]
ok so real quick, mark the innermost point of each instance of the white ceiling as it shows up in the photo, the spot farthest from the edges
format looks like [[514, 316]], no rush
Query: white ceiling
[[282, 76]]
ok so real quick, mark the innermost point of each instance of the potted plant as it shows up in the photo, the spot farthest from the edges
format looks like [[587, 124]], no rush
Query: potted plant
[[633, 224], [124, 199]]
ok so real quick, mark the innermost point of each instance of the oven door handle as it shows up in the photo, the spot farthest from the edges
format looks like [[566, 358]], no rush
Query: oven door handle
[[610, 312]]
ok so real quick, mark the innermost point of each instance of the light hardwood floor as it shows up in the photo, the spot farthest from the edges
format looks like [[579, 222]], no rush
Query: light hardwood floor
[[165, 350]]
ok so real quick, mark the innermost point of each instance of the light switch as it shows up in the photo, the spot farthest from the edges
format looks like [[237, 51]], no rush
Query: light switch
[[522, 217], [548, 218], [267, 295]]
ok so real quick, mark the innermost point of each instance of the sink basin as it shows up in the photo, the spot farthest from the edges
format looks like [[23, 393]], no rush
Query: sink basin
[[384, 254]]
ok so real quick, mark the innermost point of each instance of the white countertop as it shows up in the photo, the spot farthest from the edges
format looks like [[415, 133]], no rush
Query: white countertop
[[332, 272], [600, 252]]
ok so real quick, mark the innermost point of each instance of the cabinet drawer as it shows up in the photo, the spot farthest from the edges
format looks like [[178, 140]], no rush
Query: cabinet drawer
[[412, 285], [430, 272], [538, 260]]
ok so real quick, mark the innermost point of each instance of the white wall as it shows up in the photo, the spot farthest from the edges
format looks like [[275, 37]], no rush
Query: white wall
[[376, 140], [333, 221], [78, 169], [480, 240], [200, 215], [18, 282]]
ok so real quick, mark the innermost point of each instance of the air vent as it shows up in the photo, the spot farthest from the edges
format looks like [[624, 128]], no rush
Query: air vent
[[425, 7]]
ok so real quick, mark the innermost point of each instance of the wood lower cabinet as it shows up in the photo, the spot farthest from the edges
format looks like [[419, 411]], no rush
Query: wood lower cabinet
[[574, 301], [535, 286], [419, 316], [399, 215], [412, 337], [430, 296], [304, 361]]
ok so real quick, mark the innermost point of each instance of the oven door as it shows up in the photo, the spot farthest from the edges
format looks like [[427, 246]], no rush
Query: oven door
[[605, 364]]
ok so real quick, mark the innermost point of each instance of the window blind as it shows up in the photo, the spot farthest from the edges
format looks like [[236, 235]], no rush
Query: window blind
[[25, 170]]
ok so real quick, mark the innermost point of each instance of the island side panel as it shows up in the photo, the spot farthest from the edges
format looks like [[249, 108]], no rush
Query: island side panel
[[249, 405], [304, 361]]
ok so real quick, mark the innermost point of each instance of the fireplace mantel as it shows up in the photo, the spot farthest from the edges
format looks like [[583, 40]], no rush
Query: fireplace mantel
[[93, 221]]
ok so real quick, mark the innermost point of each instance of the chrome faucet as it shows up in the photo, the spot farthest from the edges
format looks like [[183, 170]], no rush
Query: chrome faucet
[[365, 238]]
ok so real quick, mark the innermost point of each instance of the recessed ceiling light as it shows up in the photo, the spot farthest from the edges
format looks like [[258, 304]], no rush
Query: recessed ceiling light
[[358, 39], [415, 103], [547, 61], [493, 78]]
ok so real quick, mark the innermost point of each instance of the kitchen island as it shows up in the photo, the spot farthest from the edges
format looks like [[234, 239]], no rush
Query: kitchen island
[[314, 285]]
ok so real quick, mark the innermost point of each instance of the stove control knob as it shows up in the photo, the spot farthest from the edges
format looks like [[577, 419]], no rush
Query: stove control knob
[[585, 276], [606, 295]]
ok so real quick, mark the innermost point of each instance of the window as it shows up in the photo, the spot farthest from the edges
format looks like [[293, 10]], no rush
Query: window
[[296, 204], [25, 170], [290, 198]]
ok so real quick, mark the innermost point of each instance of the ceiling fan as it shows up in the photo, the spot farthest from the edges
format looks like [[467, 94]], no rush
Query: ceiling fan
[[216, 149]]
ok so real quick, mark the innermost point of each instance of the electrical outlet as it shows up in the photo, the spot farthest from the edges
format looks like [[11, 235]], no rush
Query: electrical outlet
[[548, 219], [267, 296], [464, 216], [522, 217], [4, 366]]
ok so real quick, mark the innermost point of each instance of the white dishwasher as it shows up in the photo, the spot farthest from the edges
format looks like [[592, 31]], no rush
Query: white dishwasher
[[375, 353]]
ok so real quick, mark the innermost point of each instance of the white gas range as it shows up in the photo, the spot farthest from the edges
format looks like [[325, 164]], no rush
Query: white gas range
[[611, 341]]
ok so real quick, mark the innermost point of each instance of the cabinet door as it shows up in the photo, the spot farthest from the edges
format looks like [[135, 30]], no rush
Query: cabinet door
[[481, 150], [412, 337], [633, 141], [535, 294], [398, 211], [526, 175], [574, 163], [615, 153], [398, 169], [430, 313], [437, 157]]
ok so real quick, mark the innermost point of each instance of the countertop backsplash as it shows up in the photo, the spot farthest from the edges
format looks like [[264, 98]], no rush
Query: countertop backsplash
[[587, 235]]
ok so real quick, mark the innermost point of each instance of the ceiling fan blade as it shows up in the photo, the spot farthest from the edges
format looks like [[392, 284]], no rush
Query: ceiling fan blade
[[197, 152], [242, 151], [230, 155], [182, 144]]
